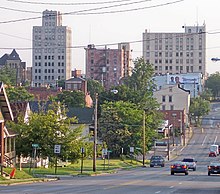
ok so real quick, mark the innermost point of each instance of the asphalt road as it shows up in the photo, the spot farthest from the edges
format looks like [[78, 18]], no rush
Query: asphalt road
[[144, 180]]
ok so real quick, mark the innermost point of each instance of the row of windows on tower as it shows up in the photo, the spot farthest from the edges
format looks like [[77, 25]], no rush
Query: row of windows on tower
[[177, 68], [170, 47], [50, 64], [49, 71], [49, 57], [178, 61], [49, 30], [48, 77], [171, 54]]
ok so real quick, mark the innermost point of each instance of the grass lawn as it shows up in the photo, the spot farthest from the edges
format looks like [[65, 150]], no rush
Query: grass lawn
[[72, 169]]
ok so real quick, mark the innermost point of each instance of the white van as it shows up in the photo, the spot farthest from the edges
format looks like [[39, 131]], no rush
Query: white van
[[214, 148]]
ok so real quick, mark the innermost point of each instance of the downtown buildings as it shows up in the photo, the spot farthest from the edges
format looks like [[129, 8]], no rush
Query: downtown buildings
[[51, 51], [108, 66], [176, 53]]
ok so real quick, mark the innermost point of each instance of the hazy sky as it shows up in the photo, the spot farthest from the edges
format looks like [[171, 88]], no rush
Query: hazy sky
[[114, 26]]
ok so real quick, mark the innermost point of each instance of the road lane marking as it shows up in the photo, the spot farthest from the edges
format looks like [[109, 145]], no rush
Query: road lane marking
[[204, 140], [215, 139], [158, 192], [171, 187], [180, 183]]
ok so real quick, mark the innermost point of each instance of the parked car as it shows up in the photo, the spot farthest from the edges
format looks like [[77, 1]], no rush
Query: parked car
[[212, 154], [191, 163], [179, 167], [214, 168], [157, 161]]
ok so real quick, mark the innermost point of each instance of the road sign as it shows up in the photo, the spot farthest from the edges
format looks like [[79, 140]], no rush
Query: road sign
[[57, 149], [35, 145], [104, 151], [132, 149]]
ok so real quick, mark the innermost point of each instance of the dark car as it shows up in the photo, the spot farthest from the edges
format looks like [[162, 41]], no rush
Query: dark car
[[214, 168], [190, 162], [157, 161], [179, 167]]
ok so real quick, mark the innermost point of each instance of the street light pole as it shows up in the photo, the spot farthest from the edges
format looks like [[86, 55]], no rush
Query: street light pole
[[95, 133], [144, 151]]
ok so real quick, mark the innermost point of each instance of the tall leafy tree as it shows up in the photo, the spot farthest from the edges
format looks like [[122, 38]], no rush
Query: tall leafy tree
[[72, 98], [198, 108], [213, 83], [93, 87], [18, 94], [121, 126], [48, 129], [8, 75]]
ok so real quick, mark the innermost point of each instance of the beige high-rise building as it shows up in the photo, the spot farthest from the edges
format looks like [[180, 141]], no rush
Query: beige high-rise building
[[51, 51], [176, 53]]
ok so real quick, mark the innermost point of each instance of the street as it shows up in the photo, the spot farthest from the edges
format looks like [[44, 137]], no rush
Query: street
[[143, 180]]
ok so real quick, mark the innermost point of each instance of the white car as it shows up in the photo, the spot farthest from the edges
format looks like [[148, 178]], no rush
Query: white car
[[190, 162]]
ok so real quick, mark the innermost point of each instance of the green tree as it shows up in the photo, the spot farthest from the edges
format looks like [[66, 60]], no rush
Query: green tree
[[94, 87], [213, 83], [121, 126], [207, 94], [48, 129], [198, 108], [18, 94], [8, 75], [72, 98]]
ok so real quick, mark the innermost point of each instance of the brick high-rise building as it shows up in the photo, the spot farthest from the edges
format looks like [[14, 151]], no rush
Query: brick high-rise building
[[51, 51], [176, 53], [108, 66]]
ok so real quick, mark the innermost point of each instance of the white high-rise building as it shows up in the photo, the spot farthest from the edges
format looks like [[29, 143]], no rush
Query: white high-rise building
[[51, 51], [176, 53]]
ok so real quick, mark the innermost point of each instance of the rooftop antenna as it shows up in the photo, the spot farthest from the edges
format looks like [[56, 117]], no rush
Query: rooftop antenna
[[197, 20]]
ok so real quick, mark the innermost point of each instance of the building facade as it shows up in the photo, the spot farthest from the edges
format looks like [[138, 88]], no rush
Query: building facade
[[51, 51], [172, 97], [13, 61], [176, 53], [194, 82], [107, 65]]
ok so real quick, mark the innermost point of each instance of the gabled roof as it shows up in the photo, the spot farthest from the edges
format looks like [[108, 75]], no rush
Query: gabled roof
[[84, 115], [38, 106], [4, 104], [3, 59], [75, 79], [14, 56], [19, 109]]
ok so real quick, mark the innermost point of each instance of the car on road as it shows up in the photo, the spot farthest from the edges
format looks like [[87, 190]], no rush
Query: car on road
[[212, 154], [179, 167], [214, 168], [157, 161], [190, 162]]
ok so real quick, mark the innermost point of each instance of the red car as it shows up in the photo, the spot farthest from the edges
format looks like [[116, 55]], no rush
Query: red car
[[212, 154]]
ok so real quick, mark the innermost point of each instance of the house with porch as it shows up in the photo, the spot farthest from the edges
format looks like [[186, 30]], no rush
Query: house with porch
[[7, 137]]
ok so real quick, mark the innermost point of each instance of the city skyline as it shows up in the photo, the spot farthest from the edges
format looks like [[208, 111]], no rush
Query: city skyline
[[123, 21]]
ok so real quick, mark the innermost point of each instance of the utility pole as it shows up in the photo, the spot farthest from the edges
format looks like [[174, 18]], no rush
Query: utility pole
[[144, 151], [95, 133]]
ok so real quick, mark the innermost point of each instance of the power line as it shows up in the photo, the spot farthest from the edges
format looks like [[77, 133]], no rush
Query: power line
[[86, 3], [80, 12]]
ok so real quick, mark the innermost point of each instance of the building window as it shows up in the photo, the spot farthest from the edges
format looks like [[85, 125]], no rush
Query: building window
[[163, 98], [156, 68], [170, 99], [171, 107], [163, 107], [177, 68], [170, 89]]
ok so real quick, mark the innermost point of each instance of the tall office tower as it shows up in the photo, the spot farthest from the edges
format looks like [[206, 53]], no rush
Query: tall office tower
[[108, 66], [51, 51], [176, 53]]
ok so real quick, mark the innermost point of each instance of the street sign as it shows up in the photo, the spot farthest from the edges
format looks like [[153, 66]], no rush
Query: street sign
[[35, 145], [82, 150], [57, 149], [132, 149], [104, 151]]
